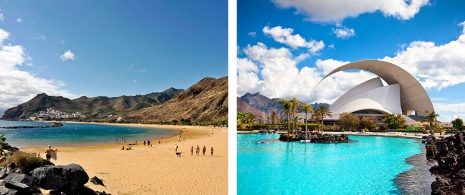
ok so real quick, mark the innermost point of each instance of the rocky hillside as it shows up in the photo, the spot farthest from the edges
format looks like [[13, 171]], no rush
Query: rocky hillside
[[244, 107], [257, 104], [207, 100], [91, 107]]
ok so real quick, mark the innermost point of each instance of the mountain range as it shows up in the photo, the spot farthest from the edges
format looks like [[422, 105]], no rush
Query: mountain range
[[144, 107], [261, 106]]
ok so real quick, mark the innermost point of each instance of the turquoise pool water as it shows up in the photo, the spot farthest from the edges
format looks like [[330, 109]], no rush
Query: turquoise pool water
[[72, 134], [368, 166]]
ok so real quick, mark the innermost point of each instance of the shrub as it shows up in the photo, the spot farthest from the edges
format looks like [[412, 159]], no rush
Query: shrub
[[27, 162]]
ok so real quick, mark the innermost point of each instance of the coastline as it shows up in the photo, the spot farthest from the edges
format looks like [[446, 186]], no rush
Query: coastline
[[156, 169]]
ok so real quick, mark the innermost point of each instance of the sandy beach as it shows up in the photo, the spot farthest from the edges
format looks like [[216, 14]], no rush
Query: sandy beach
[[156, 169]]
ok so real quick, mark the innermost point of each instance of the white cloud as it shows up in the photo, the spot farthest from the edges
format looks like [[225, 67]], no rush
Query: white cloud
[[343, 32], [252, 34], [68, 55], [2, 17], [436, 66], [285, 36], [40, 37], [3, 36], [134, 81], [274, 73], [449, 112], [332, 11], [19, 20], [17, 86]]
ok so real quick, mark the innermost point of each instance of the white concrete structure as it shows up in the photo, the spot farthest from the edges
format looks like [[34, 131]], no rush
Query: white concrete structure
[[370, 96], [403, 94]]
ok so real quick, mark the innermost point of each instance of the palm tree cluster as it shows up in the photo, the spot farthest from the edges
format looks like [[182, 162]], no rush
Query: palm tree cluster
[[290, 110]]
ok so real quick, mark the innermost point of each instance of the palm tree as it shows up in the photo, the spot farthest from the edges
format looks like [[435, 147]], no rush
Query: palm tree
[[321, 112], [306, 108], [286, 109], [294, 104], [431, 117], [273, 117]]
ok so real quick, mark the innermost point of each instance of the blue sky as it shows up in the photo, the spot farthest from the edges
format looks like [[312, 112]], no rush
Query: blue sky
[[108, 48], [299, 42]]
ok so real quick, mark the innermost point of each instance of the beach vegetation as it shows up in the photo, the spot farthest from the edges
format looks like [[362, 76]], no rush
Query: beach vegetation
[[458, 124], [287, 108], [294, 103], [2, 138], [320, 113], [307, 108], [394, 121], [333, 127], [273, 118], [368, 123], [25, 161], [245, 120], [348, 121], [434, 124]]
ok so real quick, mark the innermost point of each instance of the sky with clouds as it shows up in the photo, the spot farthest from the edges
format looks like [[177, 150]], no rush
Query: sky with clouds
[[285, 47], [102, 48]]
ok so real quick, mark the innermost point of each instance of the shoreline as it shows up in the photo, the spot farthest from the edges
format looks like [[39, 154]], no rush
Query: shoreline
[[418, 179], [156, 169]]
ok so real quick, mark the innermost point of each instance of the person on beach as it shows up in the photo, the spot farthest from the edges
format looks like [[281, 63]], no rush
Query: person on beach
[[49, 152], [211, 151], [197, 150], [122, 148], [148, 143], [192, 150], [144, 142], [176, 148], [204, 149]]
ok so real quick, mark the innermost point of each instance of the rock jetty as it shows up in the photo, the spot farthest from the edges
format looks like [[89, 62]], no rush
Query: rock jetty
[[33, 127], [449, 153]]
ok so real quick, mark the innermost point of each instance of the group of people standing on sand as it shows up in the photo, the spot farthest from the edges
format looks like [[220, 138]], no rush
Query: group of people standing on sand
[[197, 150], [149, 143]]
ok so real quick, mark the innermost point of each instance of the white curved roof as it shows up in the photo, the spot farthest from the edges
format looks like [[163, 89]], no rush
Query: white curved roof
[[413, 96], [370, 95]]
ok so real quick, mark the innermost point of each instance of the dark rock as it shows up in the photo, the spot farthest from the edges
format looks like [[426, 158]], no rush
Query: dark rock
[[4, 190], [96, 181], [47, 163], [54, 192], [3, 173], [67, 178], [13, 192], [18, 178], [450, 170]]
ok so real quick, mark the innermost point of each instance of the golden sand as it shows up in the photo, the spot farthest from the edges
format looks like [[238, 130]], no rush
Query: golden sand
[[155, 170]]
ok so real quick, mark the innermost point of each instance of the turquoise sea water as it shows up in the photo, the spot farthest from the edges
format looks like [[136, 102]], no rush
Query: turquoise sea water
[[368, 166], [72, 134]]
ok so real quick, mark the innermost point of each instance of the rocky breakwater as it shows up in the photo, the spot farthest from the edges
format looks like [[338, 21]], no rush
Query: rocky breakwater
[[449, 152], [33, 127], [317, 138]]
